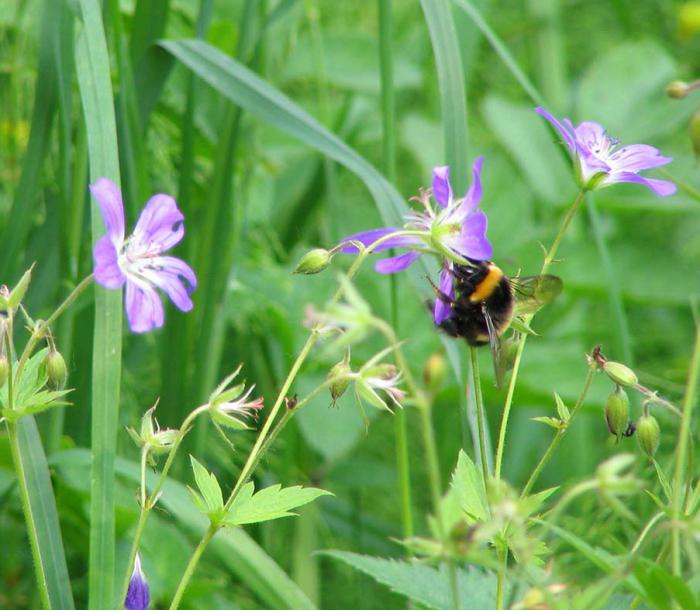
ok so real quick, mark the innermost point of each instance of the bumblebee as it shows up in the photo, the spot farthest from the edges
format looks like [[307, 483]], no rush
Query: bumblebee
[[486, 301]]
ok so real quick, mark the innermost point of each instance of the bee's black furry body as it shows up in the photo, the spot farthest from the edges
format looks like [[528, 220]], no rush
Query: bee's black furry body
[[479, 288]]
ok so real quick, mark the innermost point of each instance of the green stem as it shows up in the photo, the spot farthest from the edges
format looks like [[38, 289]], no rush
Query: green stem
[[501, 578], [544, 460], [548, 260], [683, 436], [40, 330], [191, 565], [148, 502], [479, 413]]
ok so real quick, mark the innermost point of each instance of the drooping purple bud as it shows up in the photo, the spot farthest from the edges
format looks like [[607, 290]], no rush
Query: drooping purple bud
[[138, 596]]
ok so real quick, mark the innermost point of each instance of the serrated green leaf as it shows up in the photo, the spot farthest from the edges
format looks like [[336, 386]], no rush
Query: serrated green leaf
[[425, 584], [270, 503], [532, 503], [562, 409], [208, 487], [548, 421], [468, 484]]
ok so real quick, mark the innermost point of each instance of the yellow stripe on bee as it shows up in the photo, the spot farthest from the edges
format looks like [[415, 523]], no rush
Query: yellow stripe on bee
[[487, 285]]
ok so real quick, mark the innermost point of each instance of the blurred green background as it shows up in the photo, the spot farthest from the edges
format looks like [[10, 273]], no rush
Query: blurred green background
[[256, 199]]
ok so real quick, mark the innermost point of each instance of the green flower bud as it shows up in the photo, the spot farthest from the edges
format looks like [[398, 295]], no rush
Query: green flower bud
[[617, 412], [314, 261], [4, 369], [677, 89], [434, 372], [340, 377], [56, 371], [648, 433], [619, 373]]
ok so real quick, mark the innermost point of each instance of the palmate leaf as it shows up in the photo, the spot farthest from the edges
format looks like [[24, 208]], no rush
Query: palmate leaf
[[424, 584], [211, 501], [270, 503]]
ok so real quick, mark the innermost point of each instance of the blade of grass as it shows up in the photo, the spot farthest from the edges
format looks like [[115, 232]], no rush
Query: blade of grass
[[45, 106], [93, 69], [44, 529], [453, 100]]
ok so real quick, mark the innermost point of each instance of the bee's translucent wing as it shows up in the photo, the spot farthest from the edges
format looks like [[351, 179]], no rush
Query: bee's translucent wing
[[499, 367], [533, 292]]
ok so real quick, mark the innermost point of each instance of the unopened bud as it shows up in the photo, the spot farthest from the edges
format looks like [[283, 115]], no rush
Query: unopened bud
[[340, 379], [619, 373], [648, 434], [56, 371], [677, 89], [689, 19], [4, 369], [434, 372], [314, 261], [617, 411]]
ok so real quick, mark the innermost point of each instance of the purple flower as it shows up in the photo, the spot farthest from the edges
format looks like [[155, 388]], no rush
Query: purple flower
[[138, 261], [599, 161], [137, 596], [455, 228]]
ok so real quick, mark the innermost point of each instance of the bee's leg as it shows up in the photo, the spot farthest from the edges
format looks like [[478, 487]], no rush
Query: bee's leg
[[445, 298]]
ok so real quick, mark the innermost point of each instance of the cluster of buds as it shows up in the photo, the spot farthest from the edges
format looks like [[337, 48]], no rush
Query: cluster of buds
[[373, 378], [617, 406]]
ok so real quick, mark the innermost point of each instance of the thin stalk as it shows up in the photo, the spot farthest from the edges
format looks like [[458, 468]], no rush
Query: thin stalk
[[548, 260], [544, 460], [479, 412], [501, 578], [192, 564], [682, 449], [39, 331], [386, 71], [21, 476], [149, 501]]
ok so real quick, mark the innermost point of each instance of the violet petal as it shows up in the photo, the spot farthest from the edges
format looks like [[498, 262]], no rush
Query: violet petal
[[472, 241], [137, 596], [568, 137], [174, 277], [144, 310], [662, 188], [637, 157], [106, 266], [109, 198], [442, 190], [394, 264], [442, 310], [473, 196], [160, 225]]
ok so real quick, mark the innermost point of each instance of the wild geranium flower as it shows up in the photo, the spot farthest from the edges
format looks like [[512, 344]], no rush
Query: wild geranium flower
[[600, 161], [138, 260], [137, 596], [455, 228]]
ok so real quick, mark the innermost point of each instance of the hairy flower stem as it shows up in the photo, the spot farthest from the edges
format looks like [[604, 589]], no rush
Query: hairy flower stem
[[479, 413], [560, 434], [501, 577], [548, 260], [681, 451]]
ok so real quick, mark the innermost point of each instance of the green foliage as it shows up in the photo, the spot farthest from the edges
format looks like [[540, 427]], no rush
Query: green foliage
[[272, 502]]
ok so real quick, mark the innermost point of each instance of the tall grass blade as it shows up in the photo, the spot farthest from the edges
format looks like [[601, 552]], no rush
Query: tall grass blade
[[44, 515], [93, 69]]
